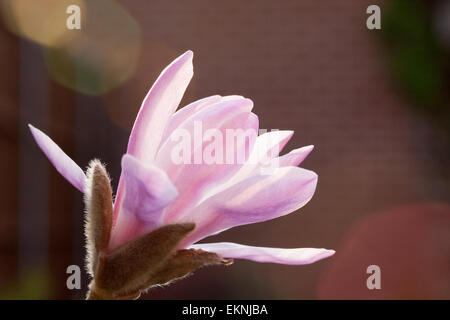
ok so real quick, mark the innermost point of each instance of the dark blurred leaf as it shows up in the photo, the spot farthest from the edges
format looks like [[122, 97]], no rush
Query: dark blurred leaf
[[418, 64], [36, 285]]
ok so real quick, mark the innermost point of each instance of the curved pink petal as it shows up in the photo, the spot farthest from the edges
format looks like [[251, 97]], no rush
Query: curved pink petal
[[147, 191], [267, 147], [194, 179], [184, 113], [261, 160], [291, 159], [295, 157], [191, 109], [297, 256], [61, 161], [213, 116], [256, 199], [156, 110], [158, 106]]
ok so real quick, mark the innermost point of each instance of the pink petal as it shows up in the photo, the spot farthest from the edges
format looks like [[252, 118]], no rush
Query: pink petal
[[194, 179], [61, 161], [212, 116], [256, 199], [147, 191], [267, 147], [158, 106], [291, 159], [184, 113], [295, 157], [191, 110], [297, 256]]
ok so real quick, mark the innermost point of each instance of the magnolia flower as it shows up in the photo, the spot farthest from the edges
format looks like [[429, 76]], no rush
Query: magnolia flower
[[149, 235]]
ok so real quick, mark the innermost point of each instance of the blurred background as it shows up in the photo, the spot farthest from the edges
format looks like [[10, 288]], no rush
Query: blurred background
[[375, 103]]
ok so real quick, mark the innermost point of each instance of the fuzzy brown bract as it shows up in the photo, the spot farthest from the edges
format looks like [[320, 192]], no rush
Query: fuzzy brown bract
[[144, 262]]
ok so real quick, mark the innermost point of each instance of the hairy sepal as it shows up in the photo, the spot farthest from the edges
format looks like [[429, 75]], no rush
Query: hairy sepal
[[182, 264], [124, 271], [98, 218]]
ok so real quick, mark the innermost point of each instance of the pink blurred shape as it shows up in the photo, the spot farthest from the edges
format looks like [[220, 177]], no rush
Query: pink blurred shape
[[410, 244]]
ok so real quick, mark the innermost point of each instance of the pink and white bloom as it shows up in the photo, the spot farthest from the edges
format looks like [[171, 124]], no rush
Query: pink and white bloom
[[153, 191]]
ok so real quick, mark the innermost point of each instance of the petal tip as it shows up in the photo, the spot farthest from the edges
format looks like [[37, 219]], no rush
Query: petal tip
[[311, 176], [288, 133], [38, 135], [61, 161], [127, 157], [186, 57], [327, 253], [322, 254], [33, 129]]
